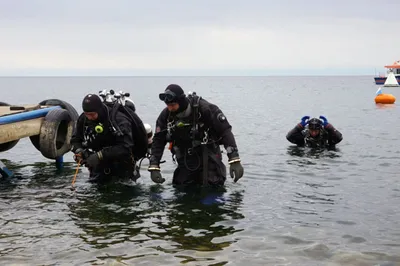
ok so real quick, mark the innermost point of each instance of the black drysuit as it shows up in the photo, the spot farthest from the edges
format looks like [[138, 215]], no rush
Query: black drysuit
[[192, 157], [116, 151], [329, 136]]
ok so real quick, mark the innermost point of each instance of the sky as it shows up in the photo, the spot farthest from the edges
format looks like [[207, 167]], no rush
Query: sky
[[198, 37]]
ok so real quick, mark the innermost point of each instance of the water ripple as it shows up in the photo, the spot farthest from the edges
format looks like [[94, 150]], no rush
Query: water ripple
[[294, 206]]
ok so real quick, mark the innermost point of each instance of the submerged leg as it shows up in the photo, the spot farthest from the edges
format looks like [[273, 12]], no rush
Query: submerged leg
[[4, 171], [60, 162]]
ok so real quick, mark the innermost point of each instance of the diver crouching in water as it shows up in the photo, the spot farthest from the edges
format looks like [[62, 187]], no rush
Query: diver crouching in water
[[96, 143], [314, 133]]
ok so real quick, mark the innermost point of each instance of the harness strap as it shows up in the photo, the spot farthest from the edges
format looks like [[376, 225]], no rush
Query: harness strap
[[205, 164], [194, 101]]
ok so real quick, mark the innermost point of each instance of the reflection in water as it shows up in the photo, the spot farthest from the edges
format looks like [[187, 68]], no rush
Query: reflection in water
[[46, 174], [315, 153], [385, 106], [304, 156], [312, 196], [8, 184], [190, 218], [109, 213], [194, 216], [36, 175]]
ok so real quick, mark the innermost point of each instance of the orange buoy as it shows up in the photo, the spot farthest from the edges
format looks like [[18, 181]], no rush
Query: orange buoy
[[385, 98]]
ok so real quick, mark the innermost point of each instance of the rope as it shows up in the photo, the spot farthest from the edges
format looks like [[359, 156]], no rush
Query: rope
[[76, 174]]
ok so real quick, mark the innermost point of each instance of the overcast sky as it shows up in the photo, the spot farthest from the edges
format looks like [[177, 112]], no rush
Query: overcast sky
[[78, 37]]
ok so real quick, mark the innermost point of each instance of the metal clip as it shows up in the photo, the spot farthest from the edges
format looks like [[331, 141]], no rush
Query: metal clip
[[107, 171], [205, 138], [170, 125]]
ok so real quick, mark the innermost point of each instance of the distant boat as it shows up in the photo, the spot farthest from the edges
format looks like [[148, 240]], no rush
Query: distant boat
[[393, 70]]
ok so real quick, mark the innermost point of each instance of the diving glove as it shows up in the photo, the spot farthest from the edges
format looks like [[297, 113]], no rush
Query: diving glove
[[324, 120], [80, 155], [235, 167], [155, 174], [304, 120]]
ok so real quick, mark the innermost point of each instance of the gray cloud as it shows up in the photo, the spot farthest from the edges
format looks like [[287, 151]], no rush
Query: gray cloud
[[219, 34], [152, 13]]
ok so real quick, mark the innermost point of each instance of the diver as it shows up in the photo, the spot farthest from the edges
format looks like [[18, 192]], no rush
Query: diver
[[96, 144], [195, 129], [314, 133]]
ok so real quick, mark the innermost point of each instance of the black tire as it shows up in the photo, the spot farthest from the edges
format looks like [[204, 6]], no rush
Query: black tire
[[55, 133], [8, 145], [74, 115]]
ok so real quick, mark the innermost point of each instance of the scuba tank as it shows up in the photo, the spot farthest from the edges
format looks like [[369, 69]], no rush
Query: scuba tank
[[120, 102]]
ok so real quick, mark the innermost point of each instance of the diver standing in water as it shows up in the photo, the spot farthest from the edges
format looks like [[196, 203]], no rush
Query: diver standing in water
[[195, 129], [314, 133]]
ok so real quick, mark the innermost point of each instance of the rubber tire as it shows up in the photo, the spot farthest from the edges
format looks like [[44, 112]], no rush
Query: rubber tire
[[8, 145], [55, 133], [74, 115]]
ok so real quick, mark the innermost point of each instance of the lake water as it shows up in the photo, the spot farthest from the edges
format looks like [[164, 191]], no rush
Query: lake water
[[292, 207]]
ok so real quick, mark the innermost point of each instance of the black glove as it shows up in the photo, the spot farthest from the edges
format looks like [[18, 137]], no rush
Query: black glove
[[236, 170], [235, 167], [81, 155], [93, 160], [155, 174]]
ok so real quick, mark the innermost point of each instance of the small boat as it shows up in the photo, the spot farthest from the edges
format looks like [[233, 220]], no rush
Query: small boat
[[393, 69]]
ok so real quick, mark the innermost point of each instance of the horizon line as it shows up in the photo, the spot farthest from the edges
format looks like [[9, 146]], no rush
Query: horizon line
[[200, 75], [228, 72]]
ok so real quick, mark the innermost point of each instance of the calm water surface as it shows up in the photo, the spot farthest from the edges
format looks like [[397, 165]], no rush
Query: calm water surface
[[292, 207]]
